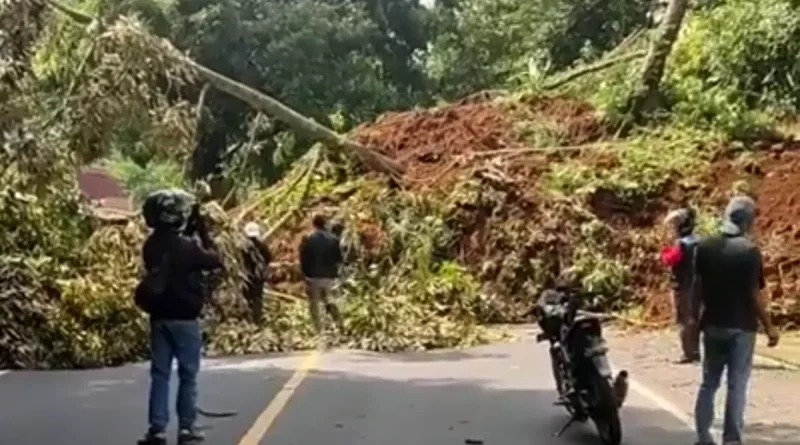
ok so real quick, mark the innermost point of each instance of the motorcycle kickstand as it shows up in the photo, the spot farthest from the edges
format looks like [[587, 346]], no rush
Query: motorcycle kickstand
[[565, 427]]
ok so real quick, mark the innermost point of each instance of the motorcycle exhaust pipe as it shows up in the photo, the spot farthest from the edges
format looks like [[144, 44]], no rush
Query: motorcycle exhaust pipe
[[621, 387]]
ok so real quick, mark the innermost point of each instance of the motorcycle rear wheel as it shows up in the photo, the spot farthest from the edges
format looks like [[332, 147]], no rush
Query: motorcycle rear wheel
[[605, 414]]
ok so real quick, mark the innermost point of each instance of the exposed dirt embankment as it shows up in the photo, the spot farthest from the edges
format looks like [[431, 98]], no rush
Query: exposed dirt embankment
[[486, 159]]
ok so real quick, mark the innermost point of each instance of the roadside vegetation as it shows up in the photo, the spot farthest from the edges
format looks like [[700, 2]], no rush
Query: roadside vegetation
[[473, 149]]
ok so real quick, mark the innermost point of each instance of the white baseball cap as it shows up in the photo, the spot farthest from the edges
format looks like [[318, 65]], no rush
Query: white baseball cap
[[252, 230]]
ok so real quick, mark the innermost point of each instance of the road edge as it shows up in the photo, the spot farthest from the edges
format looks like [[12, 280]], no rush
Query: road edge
[[681, 415], [784, 364]]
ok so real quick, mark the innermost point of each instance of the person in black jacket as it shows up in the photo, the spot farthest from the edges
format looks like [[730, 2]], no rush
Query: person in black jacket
[[256, 260], [320, 259], [174, 326]]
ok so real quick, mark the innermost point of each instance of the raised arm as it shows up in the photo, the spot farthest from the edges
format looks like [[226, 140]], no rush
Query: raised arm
[[202, 257]]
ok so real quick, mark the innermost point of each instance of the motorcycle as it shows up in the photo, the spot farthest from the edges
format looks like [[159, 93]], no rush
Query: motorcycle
[[581, 369]]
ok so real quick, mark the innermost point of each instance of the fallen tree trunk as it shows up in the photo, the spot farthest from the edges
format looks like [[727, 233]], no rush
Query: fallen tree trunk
[[260, 101]]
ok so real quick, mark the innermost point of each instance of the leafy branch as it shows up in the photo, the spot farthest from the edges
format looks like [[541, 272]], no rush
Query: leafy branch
[[301, 124]]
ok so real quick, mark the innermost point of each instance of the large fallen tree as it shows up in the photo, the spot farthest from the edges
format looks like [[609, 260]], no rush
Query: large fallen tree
[[260, 101]]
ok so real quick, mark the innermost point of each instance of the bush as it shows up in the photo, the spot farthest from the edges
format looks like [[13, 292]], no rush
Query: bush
[[487, 43], [734, 59]]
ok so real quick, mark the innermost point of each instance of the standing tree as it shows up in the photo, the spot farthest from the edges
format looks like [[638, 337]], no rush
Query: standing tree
[[648, 98]]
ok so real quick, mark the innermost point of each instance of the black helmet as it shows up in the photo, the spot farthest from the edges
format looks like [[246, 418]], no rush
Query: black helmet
[[167, 208]]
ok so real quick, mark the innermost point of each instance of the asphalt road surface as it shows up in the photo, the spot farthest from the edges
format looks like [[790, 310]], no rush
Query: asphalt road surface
[[495, 395]]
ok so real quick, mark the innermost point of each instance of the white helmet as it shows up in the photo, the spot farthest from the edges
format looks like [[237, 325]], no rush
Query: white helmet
[[252, 230]]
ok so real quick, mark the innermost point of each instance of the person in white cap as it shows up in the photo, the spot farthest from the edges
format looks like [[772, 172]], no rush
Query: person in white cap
[[256, 261]]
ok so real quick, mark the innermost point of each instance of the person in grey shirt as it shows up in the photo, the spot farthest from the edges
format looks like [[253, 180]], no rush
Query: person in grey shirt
[[320, 260], [728, 307]]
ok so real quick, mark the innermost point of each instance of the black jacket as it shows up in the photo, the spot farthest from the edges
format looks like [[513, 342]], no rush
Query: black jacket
[[256, 259], [188, 260], [320, 255]]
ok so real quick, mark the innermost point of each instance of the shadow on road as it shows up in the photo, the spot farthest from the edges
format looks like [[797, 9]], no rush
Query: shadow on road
[[774, 434], [426, 356], [352, 399], [404, 406], [109, 406]]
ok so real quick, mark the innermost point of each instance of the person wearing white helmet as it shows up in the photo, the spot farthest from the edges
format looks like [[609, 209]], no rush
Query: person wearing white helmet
[[256, 261]]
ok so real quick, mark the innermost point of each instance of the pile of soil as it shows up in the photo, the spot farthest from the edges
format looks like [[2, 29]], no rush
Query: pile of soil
[[773, 179], [511, 236], [440, 144]]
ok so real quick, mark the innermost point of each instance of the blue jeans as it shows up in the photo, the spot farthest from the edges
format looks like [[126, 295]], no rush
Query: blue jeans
[[731, 348], [179, 339]]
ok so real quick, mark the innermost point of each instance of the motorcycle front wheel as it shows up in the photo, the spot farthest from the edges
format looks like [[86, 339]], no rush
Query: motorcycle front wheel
[[605, 414], [558, 368]]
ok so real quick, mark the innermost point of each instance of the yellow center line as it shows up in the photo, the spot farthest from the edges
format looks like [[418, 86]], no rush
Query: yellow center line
[[278, 403]]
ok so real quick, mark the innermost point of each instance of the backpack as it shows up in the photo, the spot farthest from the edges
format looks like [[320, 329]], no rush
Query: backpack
[[152, 287]]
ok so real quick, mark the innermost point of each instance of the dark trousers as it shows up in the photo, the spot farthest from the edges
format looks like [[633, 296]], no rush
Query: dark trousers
[[254, 295], [689, 332], [690, 340], [180, 340]]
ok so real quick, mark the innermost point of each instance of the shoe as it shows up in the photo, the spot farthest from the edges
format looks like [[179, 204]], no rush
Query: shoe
[[687, 360], [153, 438], [190, 436]]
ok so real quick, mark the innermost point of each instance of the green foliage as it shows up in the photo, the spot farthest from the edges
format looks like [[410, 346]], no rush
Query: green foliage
[[140, 180], [599, 270], [34, 224], [96, 320], [25, 309], [486, 43], [401, 312], [355, 57], [733, 61], [642, 166]]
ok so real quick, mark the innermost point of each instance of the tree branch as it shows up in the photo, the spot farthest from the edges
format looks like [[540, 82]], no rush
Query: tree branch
[[593, 68], [260, 101]]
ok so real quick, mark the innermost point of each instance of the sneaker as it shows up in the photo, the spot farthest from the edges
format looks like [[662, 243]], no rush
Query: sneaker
[[153, 438], [190, 436]]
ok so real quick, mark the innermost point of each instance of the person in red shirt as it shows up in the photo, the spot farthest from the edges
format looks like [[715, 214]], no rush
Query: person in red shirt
[[679, 257]]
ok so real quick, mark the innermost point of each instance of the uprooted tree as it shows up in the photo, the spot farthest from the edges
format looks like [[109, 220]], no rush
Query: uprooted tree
[[299, 123]]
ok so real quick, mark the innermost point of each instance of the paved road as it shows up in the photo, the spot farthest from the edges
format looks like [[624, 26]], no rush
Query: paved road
[[498, 394]]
